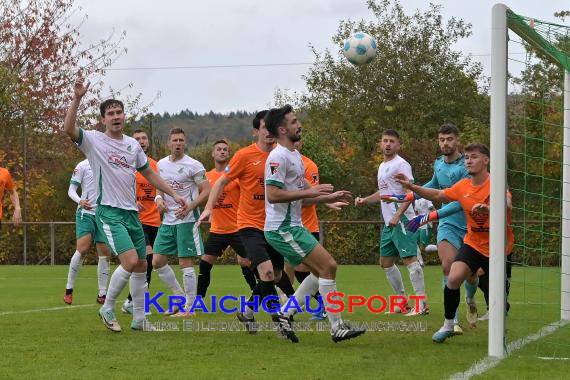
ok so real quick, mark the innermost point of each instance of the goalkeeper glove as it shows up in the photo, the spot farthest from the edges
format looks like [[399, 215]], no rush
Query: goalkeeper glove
[[399, 198], [420, 220]]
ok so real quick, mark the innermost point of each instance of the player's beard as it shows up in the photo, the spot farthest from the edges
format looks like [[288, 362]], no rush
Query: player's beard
[[449, 151]]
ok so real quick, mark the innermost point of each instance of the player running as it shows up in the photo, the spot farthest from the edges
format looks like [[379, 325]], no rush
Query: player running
[[286, 189], [248, 166], [473, 195]]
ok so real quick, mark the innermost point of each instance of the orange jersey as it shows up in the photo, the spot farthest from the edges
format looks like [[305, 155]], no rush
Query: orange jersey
[[148, 213], [224, 213], [309, 213], [6, 182], [468, 196], [248, 166]]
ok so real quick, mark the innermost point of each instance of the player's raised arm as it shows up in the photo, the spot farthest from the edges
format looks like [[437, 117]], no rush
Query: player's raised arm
[[372, 198], [79, 90], [433, 195]]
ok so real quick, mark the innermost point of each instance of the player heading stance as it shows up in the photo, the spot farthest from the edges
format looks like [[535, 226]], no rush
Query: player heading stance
[[178, 234], [473, 195], [248, 166], [395, 240], [86, 232], [115, 158], [286, 189], [223, 227]]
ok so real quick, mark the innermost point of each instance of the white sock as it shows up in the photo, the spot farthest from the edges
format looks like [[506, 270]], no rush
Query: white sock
[[137, 286], [417, 279], [74, 267], [395, 278], [167, 275], [448, 324], [118, 281], [189, 279], [419, 255], [308, 287], [327, 286], [103, 274]]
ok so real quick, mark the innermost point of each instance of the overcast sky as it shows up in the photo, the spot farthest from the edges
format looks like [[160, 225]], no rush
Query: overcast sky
[[176, 33]]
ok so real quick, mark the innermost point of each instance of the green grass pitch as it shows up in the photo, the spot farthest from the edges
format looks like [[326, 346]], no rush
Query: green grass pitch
[[43, 338]]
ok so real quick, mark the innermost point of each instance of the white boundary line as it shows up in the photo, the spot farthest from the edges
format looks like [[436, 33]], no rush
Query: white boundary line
[[47, 309], [490, 362]]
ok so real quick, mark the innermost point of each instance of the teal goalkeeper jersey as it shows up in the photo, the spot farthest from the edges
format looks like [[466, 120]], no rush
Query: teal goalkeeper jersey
[[446, 175]]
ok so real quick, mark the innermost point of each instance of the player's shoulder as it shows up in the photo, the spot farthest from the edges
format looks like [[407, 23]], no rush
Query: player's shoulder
[[83, 164], [308, 162], [163, 161], [132, 142], [4, 172]]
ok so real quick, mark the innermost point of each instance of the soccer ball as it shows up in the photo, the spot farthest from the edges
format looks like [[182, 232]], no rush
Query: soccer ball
[[360, 48]]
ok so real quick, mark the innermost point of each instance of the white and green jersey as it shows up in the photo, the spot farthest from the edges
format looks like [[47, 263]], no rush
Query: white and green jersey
[[184, 176], [114, 163], [83, 177], [388, 185], [285, 170]]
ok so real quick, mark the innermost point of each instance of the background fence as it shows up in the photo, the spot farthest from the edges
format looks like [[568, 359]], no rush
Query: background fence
[[349, 241]]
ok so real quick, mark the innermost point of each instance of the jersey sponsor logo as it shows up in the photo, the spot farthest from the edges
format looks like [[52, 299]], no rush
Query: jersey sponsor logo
[[117, 161], [259, 197], [176, 185], [274, 167]]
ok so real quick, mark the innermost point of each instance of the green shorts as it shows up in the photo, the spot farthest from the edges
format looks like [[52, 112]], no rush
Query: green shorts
[[122, 230], [293, 243], [425, 234], [397, 241], [183, 240], [85, 224]]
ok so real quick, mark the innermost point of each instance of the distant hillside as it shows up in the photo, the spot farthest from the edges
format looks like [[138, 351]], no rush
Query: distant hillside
[[200, 129]]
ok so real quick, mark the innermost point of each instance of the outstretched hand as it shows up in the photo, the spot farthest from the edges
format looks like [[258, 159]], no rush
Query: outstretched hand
[[389, 198], [204, 217], [80, 88], [403, 180]]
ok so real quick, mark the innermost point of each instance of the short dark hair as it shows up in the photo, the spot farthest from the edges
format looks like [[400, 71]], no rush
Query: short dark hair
[[175, 131], [275, 118], [478, 147], [258, 117], [221, 141], [448, 129], [108, 104], [391, 132], [140, 131]]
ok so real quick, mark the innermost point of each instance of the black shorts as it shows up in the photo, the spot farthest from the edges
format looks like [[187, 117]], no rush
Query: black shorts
[[317, 236], [475, 260], [217, 243], [258, 249], [149, 234]]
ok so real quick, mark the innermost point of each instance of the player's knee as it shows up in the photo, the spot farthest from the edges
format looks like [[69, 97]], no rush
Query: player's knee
[[454, 281]]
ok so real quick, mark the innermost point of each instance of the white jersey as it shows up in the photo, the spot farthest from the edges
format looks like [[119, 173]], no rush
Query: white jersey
[[83, 177], [184, 176], [423, 206], [114, 163], [388, 185], [284, 169]]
